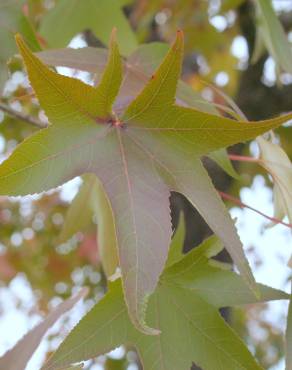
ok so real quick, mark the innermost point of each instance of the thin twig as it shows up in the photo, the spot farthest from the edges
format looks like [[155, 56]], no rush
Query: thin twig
[[242, 158], [243, 205], [24, 117]]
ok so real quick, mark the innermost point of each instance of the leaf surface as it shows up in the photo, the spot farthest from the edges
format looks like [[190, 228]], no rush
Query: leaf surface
[[18, 357], [139, 156], [180, 311]]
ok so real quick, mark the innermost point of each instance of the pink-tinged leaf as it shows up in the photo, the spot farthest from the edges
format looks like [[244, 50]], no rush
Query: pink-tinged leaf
[[18, 357], [139, 157]]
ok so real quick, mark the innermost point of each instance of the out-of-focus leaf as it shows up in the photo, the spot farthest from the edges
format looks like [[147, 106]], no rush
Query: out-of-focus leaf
[[106, 232], [273, 35], [91, 201], [221, 158], [277, 163], [140, 155], [12, 20], [17, 357], [68, 18], [86, 59], [80, 213], [175, 250], [178, 309], [227, 5]]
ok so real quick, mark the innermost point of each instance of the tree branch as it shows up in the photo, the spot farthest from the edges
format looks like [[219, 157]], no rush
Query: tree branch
[[23, 117]]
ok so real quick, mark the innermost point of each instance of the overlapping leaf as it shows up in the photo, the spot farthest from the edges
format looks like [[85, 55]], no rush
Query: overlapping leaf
[[91, 202], [184, 306], [68, 18], [18, 357], [139, 156]]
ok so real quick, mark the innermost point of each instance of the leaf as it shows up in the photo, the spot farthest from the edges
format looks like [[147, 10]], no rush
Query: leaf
[[18, 357], [217, 286], [83, 202], [288, 338], [277, 163], [106, 233], [139, 157], [272, 33], [179, 311], [175, 250], [91, 201], [12, 20], [221, 158], [230, 4], [68, 18], [138, 68]]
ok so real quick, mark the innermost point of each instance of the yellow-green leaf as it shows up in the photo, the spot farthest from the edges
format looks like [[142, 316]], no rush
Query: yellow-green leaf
[[277, 163], [272, 33]]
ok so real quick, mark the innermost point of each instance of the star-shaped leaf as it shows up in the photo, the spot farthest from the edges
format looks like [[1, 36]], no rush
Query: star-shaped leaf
[[185, 307], [139, 156]]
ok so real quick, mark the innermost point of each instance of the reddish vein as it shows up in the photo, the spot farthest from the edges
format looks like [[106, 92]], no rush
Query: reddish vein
[[243, 205]]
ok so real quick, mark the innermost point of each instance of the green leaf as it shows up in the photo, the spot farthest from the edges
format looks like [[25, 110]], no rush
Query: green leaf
[[139, 156], [230, 4], [175, 250], [13, 20], [272, 33], [68, 18], [277, 163], [91, 201], [83, 202], [106, 233], [217, 286], [221, 158], [179, 308], [20, 354]]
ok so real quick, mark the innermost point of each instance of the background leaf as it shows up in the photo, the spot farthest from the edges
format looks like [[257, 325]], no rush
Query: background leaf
[[68, 18], [17, 357], [272, 33]]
